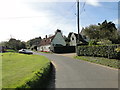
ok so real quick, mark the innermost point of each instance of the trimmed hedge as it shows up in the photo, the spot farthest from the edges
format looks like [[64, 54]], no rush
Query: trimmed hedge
[[107, 51], [40, 80], [64, 49]]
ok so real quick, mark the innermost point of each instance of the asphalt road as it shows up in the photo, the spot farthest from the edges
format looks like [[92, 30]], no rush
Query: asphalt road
[[73, 73]]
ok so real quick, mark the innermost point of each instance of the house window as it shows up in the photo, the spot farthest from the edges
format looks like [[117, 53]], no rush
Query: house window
[[72, 38]]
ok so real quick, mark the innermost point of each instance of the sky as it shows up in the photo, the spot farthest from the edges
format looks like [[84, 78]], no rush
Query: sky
[[27, 19]]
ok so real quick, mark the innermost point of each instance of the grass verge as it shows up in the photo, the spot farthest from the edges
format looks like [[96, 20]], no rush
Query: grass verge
[[24, 71], [114, 63]]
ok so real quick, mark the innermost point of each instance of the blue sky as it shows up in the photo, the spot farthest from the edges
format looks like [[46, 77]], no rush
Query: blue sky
[[27, 19], [95, 14]]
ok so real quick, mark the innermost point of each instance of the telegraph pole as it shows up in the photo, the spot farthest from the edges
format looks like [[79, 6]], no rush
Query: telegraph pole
[[78, 22]]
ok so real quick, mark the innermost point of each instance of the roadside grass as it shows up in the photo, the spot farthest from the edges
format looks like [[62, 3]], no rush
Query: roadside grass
[[10, 50], [114, 63], [22, 70], [0, 71]]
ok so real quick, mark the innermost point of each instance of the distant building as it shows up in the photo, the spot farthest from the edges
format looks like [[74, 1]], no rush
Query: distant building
[[73, 37], [2, 49], [48, 43]]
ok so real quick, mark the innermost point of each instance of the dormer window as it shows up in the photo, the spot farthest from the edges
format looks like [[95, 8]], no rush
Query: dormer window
[[72, 38]]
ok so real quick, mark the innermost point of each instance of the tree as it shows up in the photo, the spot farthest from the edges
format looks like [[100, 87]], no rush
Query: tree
[[92, 32], [14, 44], [33, 42], [108, 30], [105, 30]]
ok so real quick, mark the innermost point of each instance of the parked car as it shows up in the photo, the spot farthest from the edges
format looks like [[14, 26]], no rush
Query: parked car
[[25, 51]]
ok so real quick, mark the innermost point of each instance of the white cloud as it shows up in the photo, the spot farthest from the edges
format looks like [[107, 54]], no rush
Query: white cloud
[[22, 22], [93, 2], [100, 0], [115, 21]]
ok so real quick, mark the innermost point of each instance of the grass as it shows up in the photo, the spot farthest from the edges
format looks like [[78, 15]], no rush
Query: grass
[[18, 69], [0, 70], [114, 63], [10, 50]]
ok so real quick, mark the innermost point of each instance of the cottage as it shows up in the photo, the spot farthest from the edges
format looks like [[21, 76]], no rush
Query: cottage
[[49, 42], [73, 37]]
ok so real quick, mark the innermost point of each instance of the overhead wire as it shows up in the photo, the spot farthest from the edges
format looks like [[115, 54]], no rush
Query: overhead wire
[[25, 17], [65, 15], [82, 9]]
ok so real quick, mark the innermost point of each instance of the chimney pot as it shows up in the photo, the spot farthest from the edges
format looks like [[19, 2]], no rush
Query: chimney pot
[[46, 36]]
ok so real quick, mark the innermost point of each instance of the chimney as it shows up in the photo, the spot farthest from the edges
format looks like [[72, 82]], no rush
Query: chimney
[[46, 36], [57, 31]]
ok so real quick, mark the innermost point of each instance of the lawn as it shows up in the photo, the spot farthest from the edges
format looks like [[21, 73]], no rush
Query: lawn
[[114, 63], [0, 70], [18, 69]]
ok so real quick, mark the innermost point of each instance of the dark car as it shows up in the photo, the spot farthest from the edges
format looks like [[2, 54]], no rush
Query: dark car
[[25, 51]]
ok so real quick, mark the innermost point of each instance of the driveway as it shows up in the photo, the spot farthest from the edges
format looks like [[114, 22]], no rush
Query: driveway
[[73, 73]]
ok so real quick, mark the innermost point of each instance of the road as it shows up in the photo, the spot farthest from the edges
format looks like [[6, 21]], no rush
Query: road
[[73, 73]]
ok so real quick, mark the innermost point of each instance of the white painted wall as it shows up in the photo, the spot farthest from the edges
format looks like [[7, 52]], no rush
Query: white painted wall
[[44, 48], [58, 39], [73, 41]]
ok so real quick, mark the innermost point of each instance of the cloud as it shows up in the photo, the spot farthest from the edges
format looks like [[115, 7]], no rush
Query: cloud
[[116, 21], [22, 21], [95, 3]]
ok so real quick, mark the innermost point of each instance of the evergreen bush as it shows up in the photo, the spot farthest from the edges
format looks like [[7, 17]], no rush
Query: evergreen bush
[[108, 51]]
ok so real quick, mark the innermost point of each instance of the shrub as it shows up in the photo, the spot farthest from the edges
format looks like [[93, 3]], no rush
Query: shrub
[[92, 42], [117, 49], [108, 51], [104, 42]]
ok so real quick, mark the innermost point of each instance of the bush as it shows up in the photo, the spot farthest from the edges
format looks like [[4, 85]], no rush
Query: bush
[[64, 49], [108, 51], [117, 49], [104, 42], [93, 42]]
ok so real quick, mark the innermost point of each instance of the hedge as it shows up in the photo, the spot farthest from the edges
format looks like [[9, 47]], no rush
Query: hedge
[[64, 49], [108, 51], [40, 80]]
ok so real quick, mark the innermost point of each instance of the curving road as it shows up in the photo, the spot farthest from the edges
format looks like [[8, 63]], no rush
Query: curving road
[[73, 73]]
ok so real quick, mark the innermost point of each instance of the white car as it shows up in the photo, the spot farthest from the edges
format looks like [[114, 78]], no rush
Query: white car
[[25, 51]]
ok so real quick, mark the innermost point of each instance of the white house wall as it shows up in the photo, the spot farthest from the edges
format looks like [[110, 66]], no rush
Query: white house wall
[[44, 48], [58, 39], [73, 40]]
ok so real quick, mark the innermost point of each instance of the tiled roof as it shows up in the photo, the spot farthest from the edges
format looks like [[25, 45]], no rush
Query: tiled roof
[[46, 41]]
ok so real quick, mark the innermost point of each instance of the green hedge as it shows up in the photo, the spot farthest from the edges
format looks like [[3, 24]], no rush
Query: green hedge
[[64, 49], [40, 80], [107, 51]]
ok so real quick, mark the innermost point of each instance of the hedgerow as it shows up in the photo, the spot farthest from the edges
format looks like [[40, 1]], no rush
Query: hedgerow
[[108, 51]]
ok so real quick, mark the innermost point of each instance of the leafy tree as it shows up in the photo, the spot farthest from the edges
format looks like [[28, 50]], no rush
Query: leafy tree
[[33, 42], [92, 32], [14, 44], [105, 30], [108, 30]]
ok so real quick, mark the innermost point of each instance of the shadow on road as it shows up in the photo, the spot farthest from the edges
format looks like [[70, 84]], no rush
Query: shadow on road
[[51, 82]]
